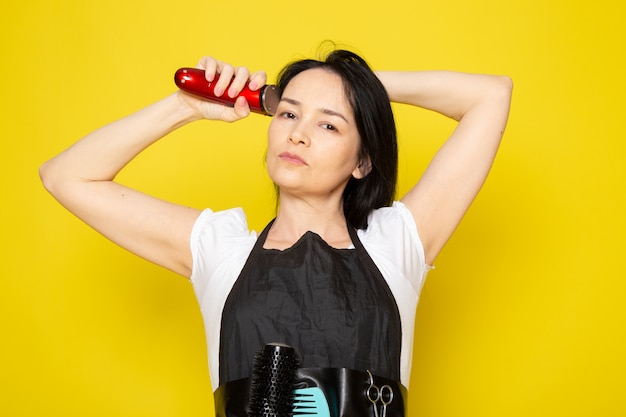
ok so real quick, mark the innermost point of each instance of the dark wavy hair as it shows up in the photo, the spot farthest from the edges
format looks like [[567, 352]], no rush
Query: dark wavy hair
[[375, 124]]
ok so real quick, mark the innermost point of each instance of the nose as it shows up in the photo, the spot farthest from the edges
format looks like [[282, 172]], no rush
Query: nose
[[300, 135]]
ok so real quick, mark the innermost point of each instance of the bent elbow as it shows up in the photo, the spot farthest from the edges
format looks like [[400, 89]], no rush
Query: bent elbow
[[499, 97], [51, 177], [505, 86], [46, 175], [506, 81]]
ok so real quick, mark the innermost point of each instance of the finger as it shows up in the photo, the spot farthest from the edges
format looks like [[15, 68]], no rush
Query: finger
[[242, 75], [241, 108], [209, 65], [237, 112], [257, 80], [227, 72]]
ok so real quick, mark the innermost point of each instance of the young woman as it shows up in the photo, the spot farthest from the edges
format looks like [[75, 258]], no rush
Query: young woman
[[337, 274]]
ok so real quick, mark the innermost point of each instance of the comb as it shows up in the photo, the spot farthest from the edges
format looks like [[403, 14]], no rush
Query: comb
[[310, 402]]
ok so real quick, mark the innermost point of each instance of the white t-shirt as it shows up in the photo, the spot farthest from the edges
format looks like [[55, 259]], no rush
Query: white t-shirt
[[221, 243]]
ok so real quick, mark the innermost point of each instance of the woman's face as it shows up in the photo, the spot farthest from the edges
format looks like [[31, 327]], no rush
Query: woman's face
[[313, 143]]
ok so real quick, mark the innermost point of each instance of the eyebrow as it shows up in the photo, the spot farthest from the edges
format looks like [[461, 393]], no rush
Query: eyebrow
[[323, 110]]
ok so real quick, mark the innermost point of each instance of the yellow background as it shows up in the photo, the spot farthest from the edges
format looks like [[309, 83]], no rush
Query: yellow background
[[524, 315]]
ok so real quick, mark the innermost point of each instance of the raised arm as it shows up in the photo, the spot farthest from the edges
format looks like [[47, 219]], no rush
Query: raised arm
[[82, 177], [480, 103]]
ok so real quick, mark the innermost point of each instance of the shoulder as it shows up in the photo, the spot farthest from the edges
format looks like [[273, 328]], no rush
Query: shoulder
[[224, 223], [217, 237], [393, 242], [388, 222]]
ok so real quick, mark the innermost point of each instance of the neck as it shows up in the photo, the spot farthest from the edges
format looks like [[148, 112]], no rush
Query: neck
[[296, 217]]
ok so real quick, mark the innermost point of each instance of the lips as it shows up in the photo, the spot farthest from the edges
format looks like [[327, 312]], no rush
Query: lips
[[292, 158]]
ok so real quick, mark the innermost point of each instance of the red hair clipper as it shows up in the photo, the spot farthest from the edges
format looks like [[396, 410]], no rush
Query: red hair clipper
[[193, 81]]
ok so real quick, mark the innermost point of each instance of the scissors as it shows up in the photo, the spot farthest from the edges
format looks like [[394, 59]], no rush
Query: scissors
[[384, 395]]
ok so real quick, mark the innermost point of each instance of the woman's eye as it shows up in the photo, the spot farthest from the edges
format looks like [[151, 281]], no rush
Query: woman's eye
[[328, 126], [289, 115]]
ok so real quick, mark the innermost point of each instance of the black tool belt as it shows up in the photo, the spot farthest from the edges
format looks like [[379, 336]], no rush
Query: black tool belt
[[347, 393]]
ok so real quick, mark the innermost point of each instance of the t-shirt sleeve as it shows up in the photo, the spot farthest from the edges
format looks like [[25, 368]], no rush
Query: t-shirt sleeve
[[393, 242], [218, 239]]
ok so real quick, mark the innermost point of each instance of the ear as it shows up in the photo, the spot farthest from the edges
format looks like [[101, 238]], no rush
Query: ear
[[363, 169]]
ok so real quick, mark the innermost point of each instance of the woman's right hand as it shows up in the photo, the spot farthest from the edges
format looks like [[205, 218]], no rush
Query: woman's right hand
[[82, 177], [232, 80]]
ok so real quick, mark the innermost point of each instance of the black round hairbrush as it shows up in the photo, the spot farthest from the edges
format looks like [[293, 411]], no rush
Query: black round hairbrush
[[272, 384]]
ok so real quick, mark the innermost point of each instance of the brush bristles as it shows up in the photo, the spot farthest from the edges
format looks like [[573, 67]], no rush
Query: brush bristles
[[272, 384]]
